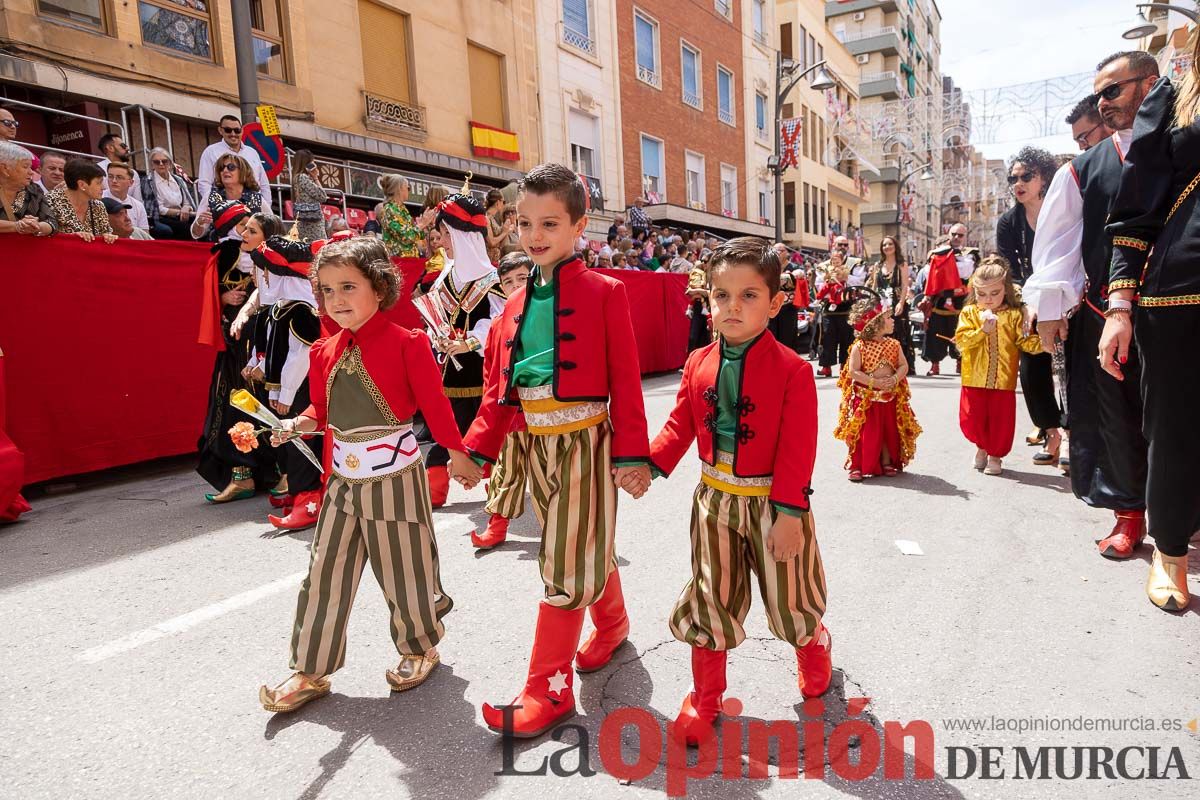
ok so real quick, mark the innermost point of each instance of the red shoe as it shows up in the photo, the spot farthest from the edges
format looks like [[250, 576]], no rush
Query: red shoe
[[702, 706], [612, 627], [303, 514], [856, 476], [497, 530], [826, 372], [890, 471], [439, 485], [815, 661], [549, 695], [934, 369], [281, 501], [1127, 534]]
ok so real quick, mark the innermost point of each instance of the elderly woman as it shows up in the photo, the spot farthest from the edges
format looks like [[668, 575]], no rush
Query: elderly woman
[[23, 210], [401, 236], [234, 181], [77, 202], [307, 197], [169, 202]]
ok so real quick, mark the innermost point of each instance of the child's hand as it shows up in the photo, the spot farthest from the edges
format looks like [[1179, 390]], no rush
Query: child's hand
[[464, 469], [785, 537], [635, 480], [989, 325]]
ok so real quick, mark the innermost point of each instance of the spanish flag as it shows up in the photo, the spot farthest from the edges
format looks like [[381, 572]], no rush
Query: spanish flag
[[489, 142]]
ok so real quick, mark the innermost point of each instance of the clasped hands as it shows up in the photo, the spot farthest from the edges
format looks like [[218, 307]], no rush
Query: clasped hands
[[635, 480]]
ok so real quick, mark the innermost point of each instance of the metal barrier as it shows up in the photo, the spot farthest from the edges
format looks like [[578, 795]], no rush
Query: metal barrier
[[145, 149], [48, 110]]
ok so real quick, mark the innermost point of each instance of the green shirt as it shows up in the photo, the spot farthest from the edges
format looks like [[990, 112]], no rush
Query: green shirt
[[533, 358], [729, 381]]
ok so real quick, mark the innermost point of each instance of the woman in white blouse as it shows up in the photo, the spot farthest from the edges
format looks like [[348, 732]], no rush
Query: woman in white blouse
[[170, 206]]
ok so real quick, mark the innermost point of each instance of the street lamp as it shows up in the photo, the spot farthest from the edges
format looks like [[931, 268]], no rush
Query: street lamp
[[785, 69], [926, 175], [1144, 27]]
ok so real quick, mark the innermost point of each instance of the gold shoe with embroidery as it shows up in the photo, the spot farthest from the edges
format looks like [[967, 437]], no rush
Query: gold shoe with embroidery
[[280, 700], [412, 670], [1166, 585]]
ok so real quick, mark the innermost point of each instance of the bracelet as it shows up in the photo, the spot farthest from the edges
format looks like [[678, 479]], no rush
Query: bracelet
[[1118, 303], [1114, 311]]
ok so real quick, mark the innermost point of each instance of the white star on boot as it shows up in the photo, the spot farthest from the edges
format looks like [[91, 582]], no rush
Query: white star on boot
[[311, 508], [558, 682]]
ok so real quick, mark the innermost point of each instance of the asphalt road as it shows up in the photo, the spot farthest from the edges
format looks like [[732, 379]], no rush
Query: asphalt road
[[136, 624]]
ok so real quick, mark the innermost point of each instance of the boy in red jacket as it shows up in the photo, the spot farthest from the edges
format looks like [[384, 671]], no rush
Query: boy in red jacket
[[751, 511], [568, 360]]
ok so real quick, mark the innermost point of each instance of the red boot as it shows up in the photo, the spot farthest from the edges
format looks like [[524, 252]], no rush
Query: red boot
[[1127, 534], [826, 372], [439, 485], [815, 661], [702, 706], [934, 369], [281, 501], [612, 627], [497, 530], [303, 514], [549, 696]]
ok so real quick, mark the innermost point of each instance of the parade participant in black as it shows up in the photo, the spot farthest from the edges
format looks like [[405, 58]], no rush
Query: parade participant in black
[[227, 283], [469, 293], [836, 299], [1155, 229], [944, 296], [889, 277], [1029, 175], [1071, 256]]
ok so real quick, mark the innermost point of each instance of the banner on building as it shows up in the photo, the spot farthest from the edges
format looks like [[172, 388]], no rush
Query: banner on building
[[789, 142], [490, 142]]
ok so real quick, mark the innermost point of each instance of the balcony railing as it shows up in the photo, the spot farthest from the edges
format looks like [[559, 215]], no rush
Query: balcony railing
[[725, 115], [761, 133], [860, 35], [761, 37], [871, 77], [393, 115], [649, 76], [692, 100], [579, 41]]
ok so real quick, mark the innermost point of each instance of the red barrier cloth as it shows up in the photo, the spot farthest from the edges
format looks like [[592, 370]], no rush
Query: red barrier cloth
[[102, 362], [12, 467]]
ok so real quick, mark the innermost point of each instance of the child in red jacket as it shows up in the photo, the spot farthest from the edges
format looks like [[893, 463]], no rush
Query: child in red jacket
[[568, 359], [366, 382], [751, 405]]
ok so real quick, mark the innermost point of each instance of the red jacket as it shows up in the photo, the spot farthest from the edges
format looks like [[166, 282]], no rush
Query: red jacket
[[833, 292], [779, 429], [400, 362], [800, 298], [491, 372], [595, 359]]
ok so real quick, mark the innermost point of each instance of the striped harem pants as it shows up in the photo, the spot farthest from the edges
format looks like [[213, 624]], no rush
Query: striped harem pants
[[506, 487], [389, 523], [729, 542]]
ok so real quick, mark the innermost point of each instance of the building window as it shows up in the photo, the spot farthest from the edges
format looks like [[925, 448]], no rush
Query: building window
[[789, 207], [766, 210], [810, 55], [585, 145], [266, 21], [807, 215], [803, 36], [654, 184], [386, 44], [823, 230], [724, 8], [725, 96], [182, 27], [760, 115], [487, 86], [759, 17], [785, 40], [89, 13], [694, 178], [689, 67], [729, 190], [645, 31], [577, 25]]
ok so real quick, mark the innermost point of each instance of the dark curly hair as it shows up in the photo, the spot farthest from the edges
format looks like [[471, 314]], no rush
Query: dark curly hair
[[369, 256], [1035, 159]]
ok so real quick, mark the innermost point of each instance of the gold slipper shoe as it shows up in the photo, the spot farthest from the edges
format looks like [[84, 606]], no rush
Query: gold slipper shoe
[[412, 670], [280, 701]]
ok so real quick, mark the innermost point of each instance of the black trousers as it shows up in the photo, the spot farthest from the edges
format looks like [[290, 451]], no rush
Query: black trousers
[[1108, 449], [902, 332], [783, 326], [936, 348], [465, 409], [836, 338], [1170, 385], [301, 474], [1037, 384], [698, 335]]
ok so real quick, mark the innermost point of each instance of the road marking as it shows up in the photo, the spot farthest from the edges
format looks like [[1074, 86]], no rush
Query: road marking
[[909, 548], [185, 622], [446, 524]]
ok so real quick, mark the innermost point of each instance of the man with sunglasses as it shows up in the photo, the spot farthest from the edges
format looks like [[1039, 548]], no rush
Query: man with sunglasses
[[942, 303], [8, 126], [115, 151], [1087, 126], [230, 128], [1071, 256]]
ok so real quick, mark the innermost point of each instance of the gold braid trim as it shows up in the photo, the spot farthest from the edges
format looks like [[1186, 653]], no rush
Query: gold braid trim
[[458, 391], [1128, 241], [1122, 283], [1177, 300]]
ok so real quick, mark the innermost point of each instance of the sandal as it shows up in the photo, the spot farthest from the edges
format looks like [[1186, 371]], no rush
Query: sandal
[[1048, 457], [280, 702], [1037, 440], [889, 471], [412, 670], [856, 476]]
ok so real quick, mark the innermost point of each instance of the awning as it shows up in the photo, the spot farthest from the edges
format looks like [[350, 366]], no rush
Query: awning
[[693, 219]]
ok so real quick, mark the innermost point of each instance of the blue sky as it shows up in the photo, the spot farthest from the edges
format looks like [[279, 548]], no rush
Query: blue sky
[[991, 43]]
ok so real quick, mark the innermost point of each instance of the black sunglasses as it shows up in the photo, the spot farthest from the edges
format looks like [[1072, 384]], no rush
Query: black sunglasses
[[1082, 139], [230, 130], [228, 166], [1113, 90], [1024, 177], [10, 123], [158, 162]]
